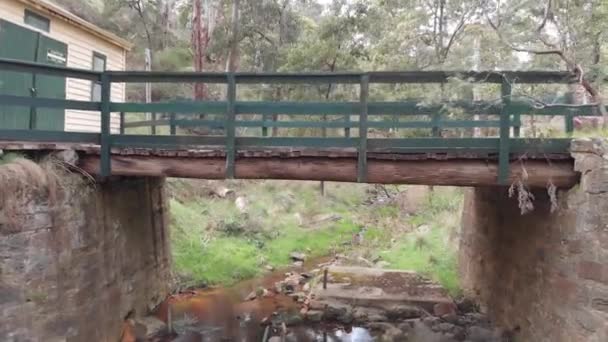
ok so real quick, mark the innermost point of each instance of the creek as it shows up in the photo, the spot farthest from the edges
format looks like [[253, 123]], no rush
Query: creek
[[225, 313]]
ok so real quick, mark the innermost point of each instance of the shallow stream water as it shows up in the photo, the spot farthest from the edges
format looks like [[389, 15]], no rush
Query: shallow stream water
[[223, 314]]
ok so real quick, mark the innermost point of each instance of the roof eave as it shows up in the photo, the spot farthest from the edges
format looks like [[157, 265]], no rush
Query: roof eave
[[67, 16]]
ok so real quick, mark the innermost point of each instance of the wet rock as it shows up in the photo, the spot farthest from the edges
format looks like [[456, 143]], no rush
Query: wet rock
[[293, 319], [278, 287], [298, 263], [189, 336], [369, 315], [480, 334], [293, 280], [444, 308], [378, 327], [314, 315], [297, 256], [475, 318], [387, 331], [339, 313], [451, 318], [298, 296], [408, 324], [147, 327], [459, 333], [403, 312], [306, 287], [393, 334], [269, 268], [253, 295], [444, 327], [430, 321], [466, 305], [287, 289]]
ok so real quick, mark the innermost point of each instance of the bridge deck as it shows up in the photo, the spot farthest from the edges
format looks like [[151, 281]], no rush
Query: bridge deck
[[237, 134], [329, 164]]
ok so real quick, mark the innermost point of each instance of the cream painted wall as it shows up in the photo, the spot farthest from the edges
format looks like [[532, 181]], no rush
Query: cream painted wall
[[81, 45]]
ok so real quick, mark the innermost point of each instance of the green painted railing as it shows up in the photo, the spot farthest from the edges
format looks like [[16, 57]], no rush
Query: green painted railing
[[232, 110]]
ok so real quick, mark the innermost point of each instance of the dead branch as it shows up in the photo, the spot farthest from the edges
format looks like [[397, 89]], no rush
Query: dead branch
[[572, 66]]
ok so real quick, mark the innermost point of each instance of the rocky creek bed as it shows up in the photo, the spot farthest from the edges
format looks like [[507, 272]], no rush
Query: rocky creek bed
[[318, 301]]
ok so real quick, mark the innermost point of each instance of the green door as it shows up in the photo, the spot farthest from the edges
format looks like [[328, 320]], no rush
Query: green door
[[50, 52], [17, 42]]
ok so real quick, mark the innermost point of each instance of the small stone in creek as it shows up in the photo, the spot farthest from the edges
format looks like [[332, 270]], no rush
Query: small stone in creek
[[442, 309], [296, 256], [251, 296]]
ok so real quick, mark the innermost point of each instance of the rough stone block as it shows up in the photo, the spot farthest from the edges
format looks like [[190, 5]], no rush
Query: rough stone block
[[592, 270], [74, 255], [585, 162], [596, 181], [600, 304], [589, 145]]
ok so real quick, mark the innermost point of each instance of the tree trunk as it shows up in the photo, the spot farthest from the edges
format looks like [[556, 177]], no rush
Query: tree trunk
[[231, 61], [199, 45]]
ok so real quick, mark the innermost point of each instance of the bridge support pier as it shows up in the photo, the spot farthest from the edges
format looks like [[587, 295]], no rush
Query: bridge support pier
[[543, 274], [79, 258]]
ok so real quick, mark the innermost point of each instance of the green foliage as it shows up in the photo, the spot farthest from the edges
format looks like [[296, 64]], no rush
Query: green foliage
[[9, 157], [213, 243], [431, 252]]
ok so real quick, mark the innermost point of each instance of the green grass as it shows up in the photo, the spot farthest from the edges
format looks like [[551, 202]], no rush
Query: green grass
[[10, 157], [431, 252], [214, 244]]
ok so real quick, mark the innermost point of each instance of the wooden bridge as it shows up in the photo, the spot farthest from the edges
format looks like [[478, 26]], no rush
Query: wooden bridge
[[353, 156]]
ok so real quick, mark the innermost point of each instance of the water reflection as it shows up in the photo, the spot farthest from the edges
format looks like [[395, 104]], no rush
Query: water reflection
[[355, 335], [222, 314]]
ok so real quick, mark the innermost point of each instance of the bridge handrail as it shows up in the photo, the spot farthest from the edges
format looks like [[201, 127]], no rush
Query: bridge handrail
[[496, 77], [509, 111]]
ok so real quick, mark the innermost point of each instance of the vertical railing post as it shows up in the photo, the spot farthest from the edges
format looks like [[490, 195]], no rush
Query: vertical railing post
[[435, 122], [363, 111], [264, 127], [505, 130], [347, 126], [569, 118], [172, 124], [122, 123], [516, 124], [105, 138], [230, 126], [153, 126]]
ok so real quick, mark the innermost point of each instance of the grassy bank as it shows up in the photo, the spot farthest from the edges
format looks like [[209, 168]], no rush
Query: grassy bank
[[216, 242]]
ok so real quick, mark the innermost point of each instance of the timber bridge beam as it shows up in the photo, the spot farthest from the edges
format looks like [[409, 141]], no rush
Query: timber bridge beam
[[352, 154]]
